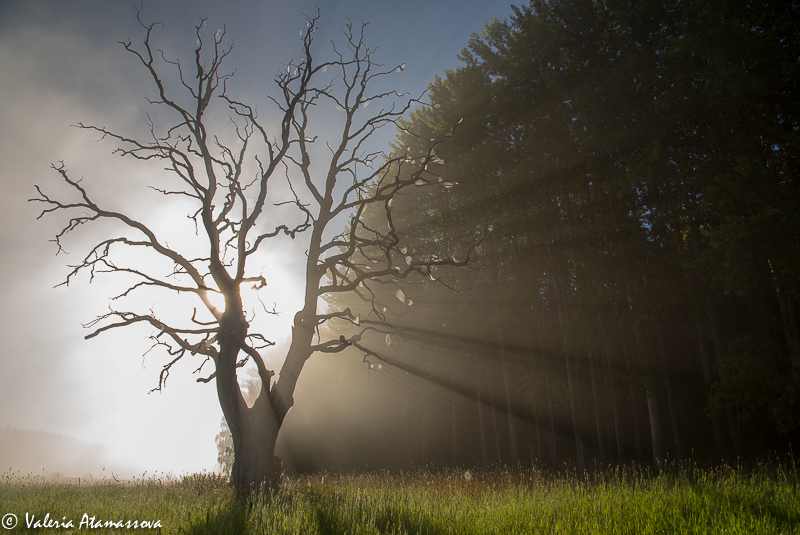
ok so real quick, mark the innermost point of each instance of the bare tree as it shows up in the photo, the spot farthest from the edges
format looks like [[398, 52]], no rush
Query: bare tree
[[232, 216]]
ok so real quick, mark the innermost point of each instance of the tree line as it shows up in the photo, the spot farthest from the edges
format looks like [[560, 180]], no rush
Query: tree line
[[629, 173]]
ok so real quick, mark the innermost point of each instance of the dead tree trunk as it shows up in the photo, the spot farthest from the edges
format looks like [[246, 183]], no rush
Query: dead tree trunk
[[254, 430]]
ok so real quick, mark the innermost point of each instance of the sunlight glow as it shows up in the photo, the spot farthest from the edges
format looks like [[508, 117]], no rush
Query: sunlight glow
[[217, 300]]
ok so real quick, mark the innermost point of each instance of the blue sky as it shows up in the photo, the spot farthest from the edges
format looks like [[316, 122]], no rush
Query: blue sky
[[61, 64]]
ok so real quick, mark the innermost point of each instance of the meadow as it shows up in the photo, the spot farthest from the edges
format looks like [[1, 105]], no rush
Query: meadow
[[680, 498]]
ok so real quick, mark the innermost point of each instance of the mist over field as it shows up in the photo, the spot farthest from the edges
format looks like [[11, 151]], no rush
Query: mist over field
[[63, 65], [580, 244], [51, 455]]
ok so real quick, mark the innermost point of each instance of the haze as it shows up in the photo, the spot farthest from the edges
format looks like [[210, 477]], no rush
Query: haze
[[616, 181], [61, 65]]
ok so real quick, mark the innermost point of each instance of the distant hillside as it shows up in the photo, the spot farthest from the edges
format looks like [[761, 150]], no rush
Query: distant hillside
[[37, 452]]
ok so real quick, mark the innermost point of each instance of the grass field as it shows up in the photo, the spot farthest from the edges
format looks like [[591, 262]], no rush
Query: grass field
[[763, 498]]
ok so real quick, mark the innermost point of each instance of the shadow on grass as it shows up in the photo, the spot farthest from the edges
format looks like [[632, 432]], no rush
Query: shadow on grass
[[337, 516], [229, 518]]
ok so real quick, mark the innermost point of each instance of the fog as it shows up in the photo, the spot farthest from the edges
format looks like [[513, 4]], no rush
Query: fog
[[630, 281], [62, 65]]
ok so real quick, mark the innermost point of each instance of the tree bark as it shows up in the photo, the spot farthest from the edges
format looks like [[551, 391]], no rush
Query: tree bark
[[254, 430]]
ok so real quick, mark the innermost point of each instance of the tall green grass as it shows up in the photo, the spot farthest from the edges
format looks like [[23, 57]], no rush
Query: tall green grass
[[679, 499], [171, 500]]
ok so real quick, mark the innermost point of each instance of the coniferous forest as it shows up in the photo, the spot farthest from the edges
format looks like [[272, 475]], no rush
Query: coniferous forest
[[623, 178]]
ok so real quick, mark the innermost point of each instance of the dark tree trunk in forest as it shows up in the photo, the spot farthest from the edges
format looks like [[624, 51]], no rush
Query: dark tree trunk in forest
[[597, 402], [788, 319], [494, 273], [551, 420], [549, 399], [708, 379], [493, 415], [719, 349], [613, 383], [574, 405], [537, 454], [656, 435], [630, 370], [673, 419], [453, 416], [572, 380], [651, 396], [512, 429], [536, 396], [479, 399]]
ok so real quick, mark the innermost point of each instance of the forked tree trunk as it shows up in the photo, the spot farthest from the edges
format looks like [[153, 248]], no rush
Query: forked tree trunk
[[255, 463], [254, 430]]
